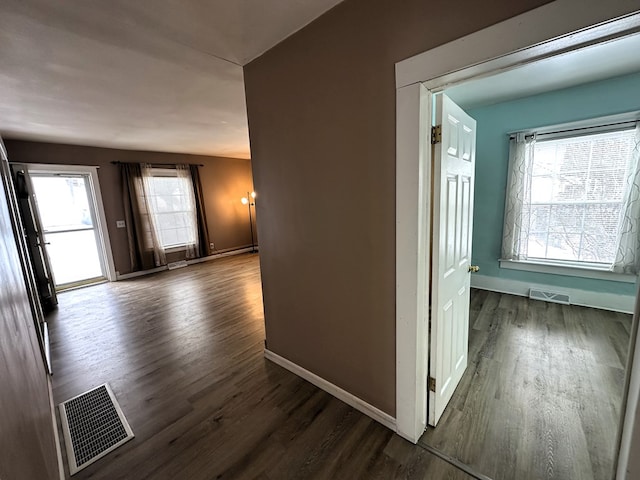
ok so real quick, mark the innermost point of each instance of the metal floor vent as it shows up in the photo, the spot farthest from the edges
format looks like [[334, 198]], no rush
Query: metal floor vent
[[93, 425], [554, 297], [178, 264]]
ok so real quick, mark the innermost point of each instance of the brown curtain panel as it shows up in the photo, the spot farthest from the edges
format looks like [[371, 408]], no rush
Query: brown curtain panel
[[136, 217], [203, 229]]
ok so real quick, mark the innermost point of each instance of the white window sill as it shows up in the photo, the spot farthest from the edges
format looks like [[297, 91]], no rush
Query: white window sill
[[175, 248], [570, 270]]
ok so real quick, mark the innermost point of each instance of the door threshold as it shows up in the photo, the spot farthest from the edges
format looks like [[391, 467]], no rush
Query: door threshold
[[85, 283], [453, 461]]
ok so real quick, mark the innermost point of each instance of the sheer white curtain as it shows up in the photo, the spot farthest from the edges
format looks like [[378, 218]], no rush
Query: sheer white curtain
[[149, 196], [184, 173], [517, 212], [628, 253]]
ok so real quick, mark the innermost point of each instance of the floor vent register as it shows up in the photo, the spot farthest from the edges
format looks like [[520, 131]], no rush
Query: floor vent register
[[93, 425]]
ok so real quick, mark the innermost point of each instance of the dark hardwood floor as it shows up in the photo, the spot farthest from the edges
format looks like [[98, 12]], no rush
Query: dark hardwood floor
[[541, 396], [183, 352]]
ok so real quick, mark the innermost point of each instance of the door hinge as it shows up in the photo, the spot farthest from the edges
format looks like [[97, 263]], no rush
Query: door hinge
[[436, 134], [432, 384]]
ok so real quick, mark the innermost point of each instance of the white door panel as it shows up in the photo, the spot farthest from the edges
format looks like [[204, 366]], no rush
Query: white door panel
[[454, 159]]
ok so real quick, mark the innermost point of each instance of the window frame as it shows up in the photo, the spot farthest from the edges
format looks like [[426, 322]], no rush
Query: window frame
[[568, 269], [172, 173], [603, 124]]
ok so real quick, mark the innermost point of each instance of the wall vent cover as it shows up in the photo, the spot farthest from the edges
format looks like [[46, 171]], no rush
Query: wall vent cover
[[93, 425], [554, 297], [178, 264]]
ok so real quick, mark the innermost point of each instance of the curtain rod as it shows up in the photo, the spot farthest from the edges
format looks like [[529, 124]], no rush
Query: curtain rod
[[160, 164], [630, 123]]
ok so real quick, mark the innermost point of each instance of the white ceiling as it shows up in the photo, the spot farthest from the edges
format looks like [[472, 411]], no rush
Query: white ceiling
[[590, 64], [166, 75], [161, 75]]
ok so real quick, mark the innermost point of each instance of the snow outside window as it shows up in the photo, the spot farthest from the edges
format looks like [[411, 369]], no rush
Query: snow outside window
[[569, 199]]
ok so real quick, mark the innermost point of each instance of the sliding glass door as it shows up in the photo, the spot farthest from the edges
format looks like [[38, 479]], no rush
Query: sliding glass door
[[65, 204]]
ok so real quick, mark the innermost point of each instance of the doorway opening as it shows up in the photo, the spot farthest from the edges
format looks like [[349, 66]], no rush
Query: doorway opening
[[70, 228], [546, 378], [415, 101], [66, 224]]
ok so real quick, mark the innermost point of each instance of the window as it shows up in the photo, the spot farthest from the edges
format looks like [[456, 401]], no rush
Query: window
[[171, 203], [577, 193], [163, 213], [569, 197]]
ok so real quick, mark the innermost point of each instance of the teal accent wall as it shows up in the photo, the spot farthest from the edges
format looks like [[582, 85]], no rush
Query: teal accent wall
[[607, 97]]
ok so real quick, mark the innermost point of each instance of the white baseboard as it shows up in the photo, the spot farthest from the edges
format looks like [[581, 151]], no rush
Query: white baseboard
[[348, 398], [125, 276], [56, 435], [604, 301], [228, 253], [139, 273]]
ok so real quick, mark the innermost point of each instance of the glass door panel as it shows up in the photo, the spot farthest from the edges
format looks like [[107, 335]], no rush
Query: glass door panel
[[63, 203], [74, 256], [68, 223]]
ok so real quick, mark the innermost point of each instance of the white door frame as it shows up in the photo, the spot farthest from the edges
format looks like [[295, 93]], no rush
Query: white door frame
[[105, 245], [552, 29]]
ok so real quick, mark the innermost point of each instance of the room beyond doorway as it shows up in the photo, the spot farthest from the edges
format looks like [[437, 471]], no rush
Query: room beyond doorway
[[544, 390]]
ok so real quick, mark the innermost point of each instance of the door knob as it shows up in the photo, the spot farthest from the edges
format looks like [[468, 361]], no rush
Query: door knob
[[474, 268]]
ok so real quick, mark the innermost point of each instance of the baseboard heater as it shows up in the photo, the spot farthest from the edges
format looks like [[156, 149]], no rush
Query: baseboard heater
[[555, 297]]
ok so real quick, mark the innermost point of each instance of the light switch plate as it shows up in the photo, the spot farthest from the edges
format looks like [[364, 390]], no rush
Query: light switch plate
[[120, 224]]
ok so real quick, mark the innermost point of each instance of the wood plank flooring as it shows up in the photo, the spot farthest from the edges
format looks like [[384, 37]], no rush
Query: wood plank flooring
[[183, 352], [542, 393]]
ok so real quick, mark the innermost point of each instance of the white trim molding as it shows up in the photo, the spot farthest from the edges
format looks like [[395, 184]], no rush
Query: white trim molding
[[549, 30], [348, 398], [104, 243], [56, 434], [584, 298], [141, 273], [413, 210], [576, 270], [629, 405]]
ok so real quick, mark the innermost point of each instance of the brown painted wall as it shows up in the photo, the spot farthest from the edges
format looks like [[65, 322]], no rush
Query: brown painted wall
[[224, 181], [27, 442], [322, 125]]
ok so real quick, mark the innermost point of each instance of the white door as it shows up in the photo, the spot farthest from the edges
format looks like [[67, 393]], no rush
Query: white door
[[453, 176]]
